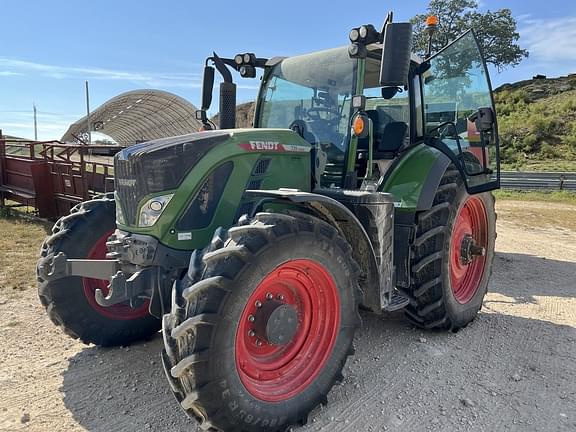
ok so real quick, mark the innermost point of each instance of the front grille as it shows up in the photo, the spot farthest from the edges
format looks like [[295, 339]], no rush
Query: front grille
[[158, 166], [128, 192]]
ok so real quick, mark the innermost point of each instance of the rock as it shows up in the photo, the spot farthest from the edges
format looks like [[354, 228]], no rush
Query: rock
[[25, 418], [423, 340], [467, 402], [516, 377]]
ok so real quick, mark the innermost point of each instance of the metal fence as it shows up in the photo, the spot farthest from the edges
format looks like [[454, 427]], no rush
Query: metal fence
[[551, 181]]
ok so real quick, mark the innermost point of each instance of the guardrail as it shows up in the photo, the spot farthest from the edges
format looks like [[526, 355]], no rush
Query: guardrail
[[551, 181]]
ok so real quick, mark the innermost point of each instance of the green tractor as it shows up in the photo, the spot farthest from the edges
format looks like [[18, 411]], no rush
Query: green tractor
[[365, 183]]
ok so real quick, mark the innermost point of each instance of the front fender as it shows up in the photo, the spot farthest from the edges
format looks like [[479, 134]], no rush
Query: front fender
[[375, 286]]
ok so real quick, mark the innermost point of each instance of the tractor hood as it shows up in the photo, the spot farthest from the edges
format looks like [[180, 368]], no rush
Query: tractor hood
[[159, 165]]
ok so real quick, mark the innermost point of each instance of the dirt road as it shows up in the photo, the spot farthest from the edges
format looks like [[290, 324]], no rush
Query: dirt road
[[513, 369]]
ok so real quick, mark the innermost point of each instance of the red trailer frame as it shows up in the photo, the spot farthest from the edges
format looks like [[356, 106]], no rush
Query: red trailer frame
[[51, 176]]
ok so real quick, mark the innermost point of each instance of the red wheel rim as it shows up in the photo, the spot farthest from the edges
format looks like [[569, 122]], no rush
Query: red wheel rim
[[120, 311], [466, 275], [276, 373]]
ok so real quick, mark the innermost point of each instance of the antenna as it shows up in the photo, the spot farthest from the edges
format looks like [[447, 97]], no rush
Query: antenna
[[35, 122]]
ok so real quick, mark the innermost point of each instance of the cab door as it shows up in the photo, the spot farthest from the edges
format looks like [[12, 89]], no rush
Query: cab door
[[459, 112]]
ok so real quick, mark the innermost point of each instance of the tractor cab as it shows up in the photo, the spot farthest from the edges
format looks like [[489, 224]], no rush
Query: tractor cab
[[443, 100]]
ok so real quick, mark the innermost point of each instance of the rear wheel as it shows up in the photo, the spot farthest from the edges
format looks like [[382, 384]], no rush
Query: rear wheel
[[70, 301], [452, 256], [260, 340]]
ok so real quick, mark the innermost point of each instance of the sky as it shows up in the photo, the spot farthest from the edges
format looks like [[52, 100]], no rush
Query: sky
[[49, 48]]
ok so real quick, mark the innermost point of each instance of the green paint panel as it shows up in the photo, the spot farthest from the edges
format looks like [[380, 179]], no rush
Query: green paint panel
[[289, 167]]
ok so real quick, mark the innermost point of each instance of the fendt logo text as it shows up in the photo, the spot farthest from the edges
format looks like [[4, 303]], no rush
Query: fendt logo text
[[264, 145], [127, 182]]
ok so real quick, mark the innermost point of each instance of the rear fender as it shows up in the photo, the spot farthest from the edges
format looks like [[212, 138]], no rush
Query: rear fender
[[347, 224], [412, 180]]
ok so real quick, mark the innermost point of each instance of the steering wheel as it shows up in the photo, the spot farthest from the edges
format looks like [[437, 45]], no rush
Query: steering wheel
[[445, 130]]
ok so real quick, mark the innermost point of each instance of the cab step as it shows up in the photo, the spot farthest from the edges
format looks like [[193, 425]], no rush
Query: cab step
[[397, 302]]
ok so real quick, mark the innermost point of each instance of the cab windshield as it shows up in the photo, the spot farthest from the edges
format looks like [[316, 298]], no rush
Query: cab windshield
[[311, 95]]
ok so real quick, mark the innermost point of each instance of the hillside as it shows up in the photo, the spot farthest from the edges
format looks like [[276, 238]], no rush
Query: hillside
[[537, 121]]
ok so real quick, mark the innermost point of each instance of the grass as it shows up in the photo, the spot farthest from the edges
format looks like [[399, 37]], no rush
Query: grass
[[556, 196], [553, 165], [20, 244]]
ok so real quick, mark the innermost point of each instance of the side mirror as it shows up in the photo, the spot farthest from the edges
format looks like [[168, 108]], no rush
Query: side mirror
[[396, 52], [207, 87], [483, 119]]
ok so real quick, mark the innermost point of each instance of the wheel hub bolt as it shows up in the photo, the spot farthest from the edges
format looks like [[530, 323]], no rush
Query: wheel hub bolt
[[258, 304], [477, 250], [251, 318], [251, 333], [259, 342], [280, 297], [269, 296]]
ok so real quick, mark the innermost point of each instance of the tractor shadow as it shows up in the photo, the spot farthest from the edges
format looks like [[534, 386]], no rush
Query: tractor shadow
[[524, 277], [125, 388], [122, 389]]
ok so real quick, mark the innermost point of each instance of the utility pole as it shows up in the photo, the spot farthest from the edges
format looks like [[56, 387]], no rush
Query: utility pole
[[89, 141], [35, 123]]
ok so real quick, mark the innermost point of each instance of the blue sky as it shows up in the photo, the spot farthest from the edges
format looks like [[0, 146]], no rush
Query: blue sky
[[48, 48]]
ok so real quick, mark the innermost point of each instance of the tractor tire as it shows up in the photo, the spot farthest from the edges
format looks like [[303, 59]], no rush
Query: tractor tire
[[230, 363], [449, 273], [70, 301]]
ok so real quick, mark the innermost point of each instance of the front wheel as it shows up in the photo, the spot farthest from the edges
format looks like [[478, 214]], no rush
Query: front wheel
[[70, 301], [260, 340], [452, 256]]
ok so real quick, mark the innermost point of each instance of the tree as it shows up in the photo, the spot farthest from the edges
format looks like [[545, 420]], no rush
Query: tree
[[496, 31]]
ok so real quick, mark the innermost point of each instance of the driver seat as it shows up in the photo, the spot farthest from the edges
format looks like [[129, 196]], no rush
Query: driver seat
[[388, 135]]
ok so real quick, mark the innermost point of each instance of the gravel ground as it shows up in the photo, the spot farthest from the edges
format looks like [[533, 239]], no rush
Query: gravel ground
[[513, 368]]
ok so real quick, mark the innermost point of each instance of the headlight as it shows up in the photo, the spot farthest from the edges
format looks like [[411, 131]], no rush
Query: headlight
[[354, 35], [119, 213], [152, 209]]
